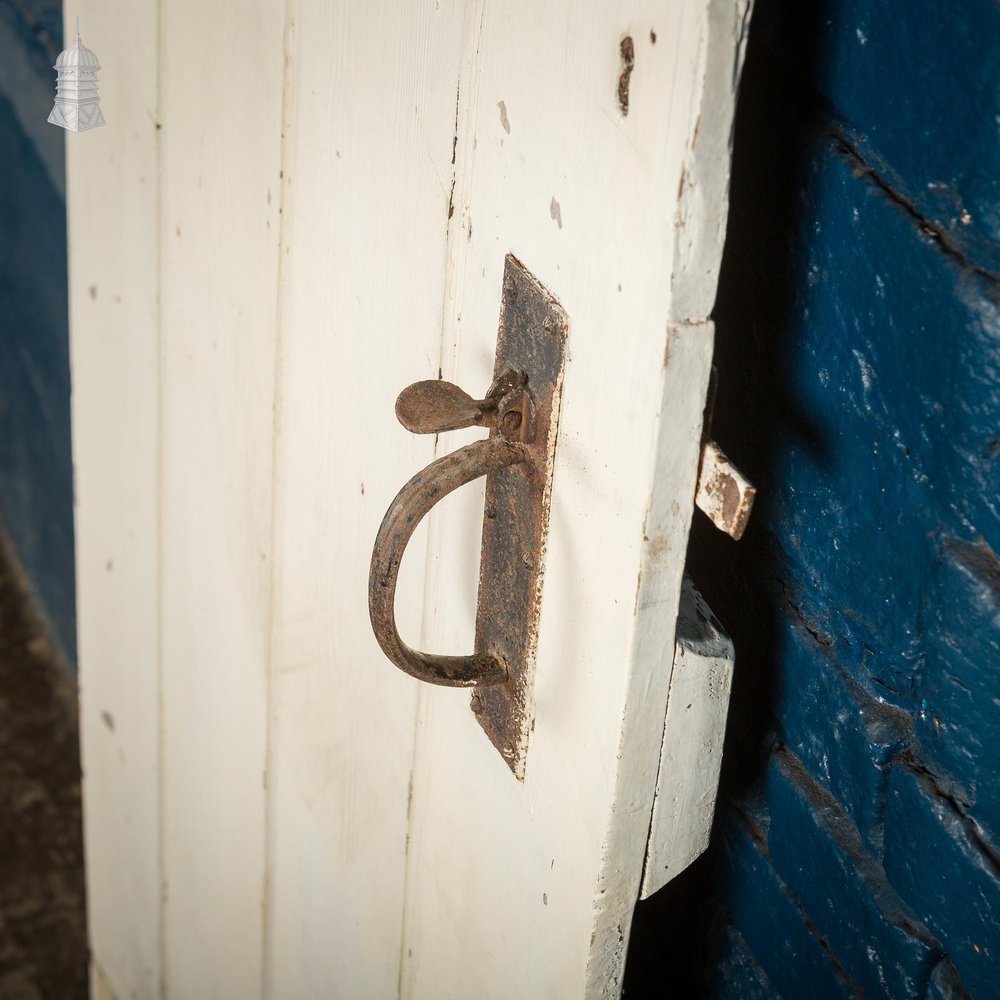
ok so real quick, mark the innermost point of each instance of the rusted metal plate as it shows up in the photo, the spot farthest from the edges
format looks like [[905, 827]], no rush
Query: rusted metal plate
[[724, 493], [532, 342]]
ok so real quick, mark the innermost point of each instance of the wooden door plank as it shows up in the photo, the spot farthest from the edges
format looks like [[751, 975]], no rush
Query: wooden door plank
[[688, 779], [222, 75], [368, 175], [535, 883], [112, 197]]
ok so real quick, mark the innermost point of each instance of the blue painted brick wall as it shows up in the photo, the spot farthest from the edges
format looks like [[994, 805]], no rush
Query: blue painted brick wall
[[818, 851], [738, 973], [36, 471], [856, 851], [956, 724], [846, 738], [760, 906], [915, 84], [936, 857]]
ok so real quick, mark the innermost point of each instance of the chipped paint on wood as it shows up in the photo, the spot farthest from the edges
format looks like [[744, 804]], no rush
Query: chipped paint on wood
[[627, 50]]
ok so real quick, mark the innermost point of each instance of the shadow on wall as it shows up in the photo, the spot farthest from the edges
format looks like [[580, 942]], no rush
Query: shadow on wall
[[36, 473], [775, 125], [859, 389]]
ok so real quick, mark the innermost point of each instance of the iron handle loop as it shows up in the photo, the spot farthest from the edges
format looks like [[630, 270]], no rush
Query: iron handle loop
[[412, 503]]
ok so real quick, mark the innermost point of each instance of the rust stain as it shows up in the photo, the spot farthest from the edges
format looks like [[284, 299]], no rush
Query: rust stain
[[730, 497], [724, 494], [627, 50], [682, 183]]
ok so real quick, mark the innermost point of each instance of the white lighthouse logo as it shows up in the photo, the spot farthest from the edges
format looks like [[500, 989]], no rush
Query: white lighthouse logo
[[77, 107]]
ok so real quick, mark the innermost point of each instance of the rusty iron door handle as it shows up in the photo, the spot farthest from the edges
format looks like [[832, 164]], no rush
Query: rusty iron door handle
[[521, 412], [412, 503]]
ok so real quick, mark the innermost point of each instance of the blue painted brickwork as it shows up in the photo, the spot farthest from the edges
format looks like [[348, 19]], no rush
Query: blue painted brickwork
[[856, 851], [36, 474], [769, 919], [915, 84], [738, 973]]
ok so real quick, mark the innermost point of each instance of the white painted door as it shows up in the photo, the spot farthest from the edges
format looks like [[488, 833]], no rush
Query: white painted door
[[296, 209]]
